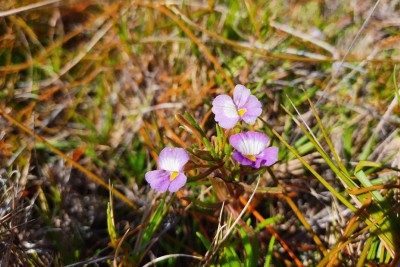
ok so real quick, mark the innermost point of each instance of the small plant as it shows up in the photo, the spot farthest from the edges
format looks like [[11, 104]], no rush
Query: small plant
[[251, 147], [250, 150]]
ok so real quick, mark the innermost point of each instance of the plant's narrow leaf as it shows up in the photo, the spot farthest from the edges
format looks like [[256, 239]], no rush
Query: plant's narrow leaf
[[328, 140], [362, 164], [220, 140], [268, 221], [209, 147], [364, 252], [268, 257], [306, 148], [372, 252], [348, 143], [301, 141], [337, 194], [368, 148], [343, 176], [154, 221], [228, 149], [230, 258], [386, 228], [377, 196], [203, 240], [381, 252], [194, 123], [190, 126], [388, 257], [250, 248], [112, 232], [152, 225]]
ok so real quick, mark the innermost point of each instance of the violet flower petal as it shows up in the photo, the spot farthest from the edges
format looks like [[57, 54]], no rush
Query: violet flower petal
[[226, 114], [236, 140], [241, 159], [240, 95], [249, 143], [177, 183], [268, 156], [158, 180], [253, 110], [173, 159]]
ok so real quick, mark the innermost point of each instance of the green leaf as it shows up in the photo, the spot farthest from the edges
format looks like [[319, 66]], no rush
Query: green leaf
[[209, 147], [251, 249], [112, 232], [268, 221], [154, 221], [230, 258], [364, 253], [369, 146], [362, 164], [385, 226], [194, 123], [316, 174], [328, 141], [203, 240], [190, 124], [268, 258]]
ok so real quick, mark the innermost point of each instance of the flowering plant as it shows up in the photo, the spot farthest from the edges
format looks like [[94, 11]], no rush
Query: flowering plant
[[250, 147]]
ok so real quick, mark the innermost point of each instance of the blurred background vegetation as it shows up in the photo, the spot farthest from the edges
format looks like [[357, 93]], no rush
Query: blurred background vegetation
[[89, 91]]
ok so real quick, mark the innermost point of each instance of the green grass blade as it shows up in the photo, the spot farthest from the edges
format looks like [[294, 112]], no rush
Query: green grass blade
[[203, 240], [112, 232], [230, 258], [268, 258], [364, 253], [317, 175], [328, 140], [267, 221], [344, 176], [380, 209], [250, 248], [362, 164]]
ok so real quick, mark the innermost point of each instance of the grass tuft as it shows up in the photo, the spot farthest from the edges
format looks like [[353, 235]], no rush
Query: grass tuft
[[90, 93]]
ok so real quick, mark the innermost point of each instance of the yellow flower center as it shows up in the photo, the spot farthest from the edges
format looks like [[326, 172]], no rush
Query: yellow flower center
[[173, 175], [242, 111], [250, 157]]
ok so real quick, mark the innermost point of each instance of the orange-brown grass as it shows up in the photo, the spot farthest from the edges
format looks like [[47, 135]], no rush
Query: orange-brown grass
[[90, 94]]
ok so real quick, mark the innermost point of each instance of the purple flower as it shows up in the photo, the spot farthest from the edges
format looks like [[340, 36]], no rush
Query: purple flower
[[251, 149], [170, 177], [243, 106]]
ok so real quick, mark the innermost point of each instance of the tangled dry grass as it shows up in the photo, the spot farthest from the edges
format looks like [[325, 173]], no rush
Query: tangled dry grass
[[89, 94]]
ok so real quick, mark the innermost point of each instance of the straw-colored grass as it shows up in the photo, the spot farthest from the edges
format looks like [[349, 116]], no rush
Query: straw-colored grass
[[90, 92]]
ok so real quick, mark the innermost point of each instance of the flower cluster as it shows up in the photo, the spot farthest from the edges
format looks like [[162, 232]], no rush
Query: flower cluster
[[250, 147]]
